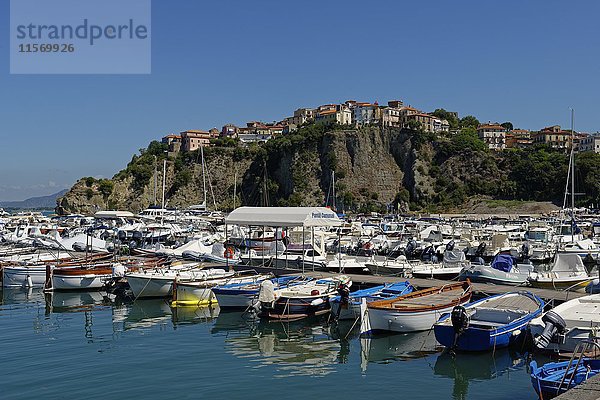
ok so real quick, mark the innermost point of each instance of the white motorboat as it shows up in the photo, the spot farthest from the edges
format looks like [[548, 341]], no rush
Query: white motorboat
[[561, 328], [568, 271], [454, 261], [399, 266]]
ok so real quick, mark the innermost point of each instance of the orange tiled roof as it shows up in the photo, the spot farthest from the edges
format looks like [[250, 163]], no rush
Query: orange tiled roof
[[490, 126]]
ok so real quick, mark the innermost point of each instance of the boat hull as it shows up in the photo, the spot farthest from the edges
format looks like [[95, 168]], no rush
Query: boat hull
[[89, 281], [393, 321], [19, 276], [150, 286], [294, 308]]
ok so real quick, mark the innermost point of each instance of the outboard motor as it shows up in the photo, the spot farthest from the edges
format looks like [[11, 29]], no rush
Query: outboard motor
[[589, 262], [525, 251], [411, 246], [122, 235], [266, 295], [460, 319], [450, 245], [427, 254], [554, 325], [480, 249], [344, 293], [460, 322]]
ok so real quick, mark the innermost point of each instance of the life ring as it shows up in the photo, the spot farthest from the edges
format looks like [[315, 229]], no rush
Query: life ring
[[228, 252]]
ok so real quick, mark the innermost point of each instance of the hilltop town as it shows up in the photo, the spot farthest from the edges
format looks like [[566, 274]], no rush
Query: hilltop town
[[354, 114]]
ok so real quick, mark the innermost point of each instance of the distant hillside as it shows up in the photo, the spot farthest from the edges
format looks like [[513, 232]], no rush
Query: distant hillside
[[35, 202]]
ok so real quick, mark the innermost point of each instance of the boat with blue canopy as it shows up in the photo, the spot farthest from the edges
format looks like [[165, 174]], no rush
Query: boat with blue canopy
[[503, 270]]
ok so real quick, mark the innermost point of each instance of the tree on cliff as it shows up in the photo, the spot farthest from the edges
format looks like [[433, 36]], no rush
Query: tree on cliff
[[448, 116], [469, 122]]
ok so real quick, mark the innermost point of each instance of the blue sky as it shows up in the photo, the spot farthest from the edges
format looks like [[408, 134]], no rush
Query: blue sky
[[219, 62]]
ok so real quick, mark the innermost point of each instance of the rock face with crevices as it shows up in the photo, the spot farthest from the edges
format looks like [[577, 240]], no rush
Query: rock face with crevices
[[375, 169]]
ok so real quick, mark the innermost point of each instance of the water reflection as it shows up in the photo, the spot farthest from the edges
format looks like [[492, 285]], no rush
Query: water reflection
[[65, 302], [294, 348], [18, 296], [387, 348], [468, 367], [146, 313]]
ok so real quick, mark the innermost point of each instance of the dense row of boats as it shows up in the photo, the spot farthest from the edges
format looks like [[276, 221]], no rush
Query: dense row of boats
[[197, 260]]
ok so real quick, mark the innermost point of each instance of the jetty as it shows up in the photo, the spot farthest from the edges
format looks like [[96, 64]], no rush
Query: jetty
[[588, 390]]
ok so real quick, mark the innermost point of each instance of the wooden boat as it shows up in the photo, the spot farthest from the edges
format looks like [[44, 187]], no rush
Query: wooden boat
[[83, 278], [349, 308], [493, 322], [300, 301], [417, 311]]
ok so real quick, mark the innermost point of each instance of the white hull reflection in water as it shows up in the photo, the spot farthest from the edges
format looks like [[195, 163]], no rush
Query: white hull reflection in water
[[400, 346], [300, 348], [148, 313], [22, 296], [75, 301]]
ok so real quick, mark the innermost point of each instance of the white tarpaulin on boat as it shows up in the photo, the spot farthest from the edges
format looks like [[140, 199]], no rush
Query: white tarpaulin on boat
[[283, 216]]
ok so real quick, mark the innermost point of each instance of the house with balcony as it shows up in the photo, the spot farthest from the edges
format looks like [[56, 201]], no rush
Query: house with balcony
[[493, 135]]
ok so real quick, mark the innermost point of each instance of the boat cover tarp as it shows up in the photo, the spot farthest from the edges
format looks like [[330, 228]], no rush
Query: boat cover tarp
[[566, 262], [503, 262], [284, 216], [454, 256]]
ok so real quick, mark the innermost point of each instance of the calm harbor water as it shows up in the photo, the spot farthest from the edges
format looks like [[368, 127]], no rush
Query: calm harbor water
[[81, 346]]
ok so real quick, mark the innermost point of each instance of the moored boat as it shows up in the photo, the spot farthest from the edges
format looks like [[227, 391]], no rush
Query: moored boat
[[159, 282], [84, 278], [245, 295], [494, 322], [343, 307], [417, 311], [563, 327], [300, 301], [199, 293], [568, 271]]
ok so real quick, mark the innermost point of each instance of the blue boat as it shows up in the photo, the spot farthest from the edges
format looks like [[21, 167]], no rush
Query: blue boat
[[347, 305], [244, 295], [494, 322], [555, 378]]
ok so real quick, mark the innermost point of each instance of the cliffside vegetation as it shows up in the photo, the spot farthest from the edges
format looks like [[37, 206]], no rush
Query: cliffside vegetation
[[376, 169]]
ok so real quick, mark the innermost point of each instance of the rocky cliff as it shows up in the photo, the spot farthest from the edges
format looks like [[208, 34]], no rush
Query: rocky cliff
[[375, 169]]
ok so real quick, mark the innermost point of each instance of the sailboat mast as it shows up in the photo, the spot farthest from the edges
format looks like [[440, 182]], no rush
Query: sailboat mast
[[572, 176], [234, 186], [203, 175], [333, 188]]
